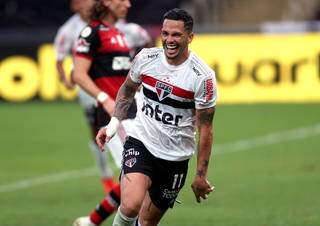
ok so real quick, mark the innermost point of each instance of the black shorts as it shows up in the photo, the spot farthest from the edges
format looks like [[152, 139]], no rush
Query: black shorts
[[96, 118], [167, 177]]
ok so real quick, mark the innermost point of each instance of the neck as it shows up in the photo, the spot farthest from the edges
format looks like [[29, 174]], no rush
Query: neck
[[110, 19], [84, 17]]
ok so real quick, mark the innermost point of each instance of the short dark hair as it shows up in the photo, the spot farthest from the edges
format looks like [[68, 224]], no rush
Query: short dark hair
[[180, 14]]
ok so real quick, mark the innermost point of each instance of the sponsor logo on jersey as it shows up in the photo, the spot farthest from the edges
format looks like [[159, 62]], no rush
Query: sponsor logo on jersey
[[208, 89], [82, 46], [164, 117], [196, 71], [86, 32], [163, 90], [153, 55], [130, 162], [131, 152]]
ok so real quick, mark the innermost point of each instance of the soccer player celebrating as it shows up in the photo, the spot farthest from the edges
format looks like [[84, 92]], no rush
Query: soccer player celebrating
[[178, 94]]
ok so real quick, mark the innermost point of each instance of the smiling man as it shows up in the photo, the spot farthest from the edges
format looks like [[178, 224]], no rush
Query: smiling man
[[178, 95]]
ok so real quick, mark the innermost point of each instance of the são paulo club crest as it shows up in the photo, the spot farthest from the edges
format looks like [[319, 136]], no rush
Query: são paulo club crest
[[130, 162], [163, 90]]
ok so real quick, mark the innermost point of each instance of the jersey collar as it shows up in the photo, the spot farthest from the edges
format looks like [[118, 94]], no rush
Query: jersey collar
[[175, 67]]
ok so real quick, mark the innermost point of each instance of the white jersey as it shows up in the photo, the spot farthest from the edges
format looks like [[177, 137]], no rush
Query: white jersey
[[67, 35], [165, 120], [65, 44], [135, 35]]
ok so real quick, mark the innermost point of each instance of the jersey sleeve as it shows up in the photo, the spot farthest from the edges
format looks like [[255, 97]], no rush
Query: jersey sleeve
[[135, 69], [206, 91], [87, 42], [62, 43]]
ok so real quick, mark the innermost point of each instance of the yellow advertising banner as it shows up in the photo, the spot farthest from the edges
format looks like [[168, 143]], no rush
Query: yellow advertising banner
[[257, 68], [250, 68], [23, 78]]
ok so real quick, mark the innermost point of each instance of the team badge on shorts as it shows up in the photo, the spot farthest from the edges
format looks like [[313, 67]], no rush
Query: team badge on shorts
[[130, 162], [163, 90]]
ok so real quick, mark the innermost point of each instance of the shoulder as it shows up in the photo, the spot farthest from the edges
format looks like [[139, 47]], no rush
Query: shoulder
[[131, 28], [200, 68], [90, 30], [65, 30], [150, 53], [66, 26], [135, 34], [146, 57], [73, 21], [93, 26]]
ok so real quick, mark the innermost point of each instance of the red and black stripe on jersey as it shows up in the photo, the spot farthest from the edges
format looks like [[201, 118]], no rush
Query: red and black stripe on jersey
[[177, 91], [106, 47]]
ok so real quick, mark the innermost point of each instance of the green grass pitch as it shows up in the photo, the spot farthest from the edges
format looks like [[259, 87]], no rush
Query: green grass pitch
[[265, 167]]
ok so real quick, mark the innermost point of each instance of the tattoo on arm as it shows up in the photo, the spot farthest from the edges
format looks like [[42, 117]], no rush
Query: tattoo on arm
[[204, 123], [204, 164], [124, 99], [206, 116], [200, 173]]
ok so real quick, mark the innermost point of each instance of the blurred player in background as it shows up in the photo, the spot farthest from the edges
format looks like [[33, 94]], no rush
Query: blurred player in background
[[102, 61], [65, 43], [136, 36], [178, 95]]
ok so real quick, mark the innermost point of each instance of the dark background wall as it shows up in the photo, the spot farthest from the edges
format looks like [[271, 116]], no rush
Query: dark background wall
[[39, 13]]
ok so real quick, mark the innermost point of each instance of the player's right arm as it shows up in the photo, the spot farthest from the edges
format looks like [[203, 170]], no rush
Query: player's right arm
[[82, 78], [87, 45], [62, 75], [124, 100], [62, 46]]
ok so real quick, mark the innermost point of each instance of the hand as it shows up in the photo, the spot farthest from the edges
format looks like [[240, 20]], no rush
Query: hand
[[68, 84], [102, 138], [109, 106], [201, 188]]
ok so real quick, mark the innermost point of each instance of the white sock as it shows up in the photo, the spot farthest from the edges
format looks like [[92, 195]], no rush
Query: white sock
[[121, 220], [101, 160]]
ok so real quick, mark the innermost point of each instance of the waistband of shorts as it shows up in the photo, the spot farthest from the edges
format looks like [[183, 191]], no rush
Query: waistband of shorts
[[136, 141]]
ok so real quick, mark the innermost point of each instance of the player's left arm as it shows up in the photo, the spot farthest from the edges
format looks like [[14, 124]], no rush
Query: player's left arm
[[205, 129], [204, 119], [205, 102]]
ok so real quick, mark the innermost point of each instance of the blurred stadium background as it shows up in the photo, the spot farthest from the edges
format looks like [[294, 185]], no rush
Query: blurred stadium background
[[265, 162]]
